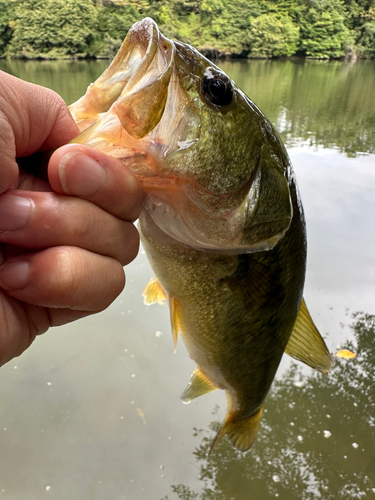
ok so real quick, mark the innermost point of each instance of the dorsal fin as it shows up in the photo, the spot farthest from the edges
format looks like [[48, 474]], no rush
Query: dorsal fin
[[306, 344], [154, 292], [198, 386]]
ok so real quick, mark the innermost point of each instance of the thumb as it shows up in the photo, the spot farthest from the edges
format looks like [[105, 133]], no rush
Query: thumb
[[32, 118]]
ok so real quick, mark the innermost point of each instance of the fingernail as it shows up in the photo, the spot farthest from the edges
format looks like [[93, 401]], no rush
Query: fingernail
[[15, 275], [14, 212], [80, 174]]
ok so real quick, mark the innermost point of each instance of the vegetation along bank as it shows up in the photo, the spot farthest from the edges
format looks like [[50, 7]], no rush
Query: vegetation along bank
[[325, 29]]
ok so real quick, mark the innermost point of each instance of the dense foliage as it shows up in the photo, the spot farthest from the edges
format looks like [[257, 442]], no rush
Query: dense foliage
[[54, 28], [253, 28]]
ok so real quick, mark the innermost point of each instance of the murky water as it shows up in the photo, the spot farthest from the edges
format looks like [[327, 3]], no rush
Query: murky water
[[92, 410]]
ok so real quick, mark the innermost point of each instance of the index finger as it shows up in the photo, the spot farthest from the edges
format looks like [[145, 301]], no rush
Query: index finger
[[84, 172], [32, 118]]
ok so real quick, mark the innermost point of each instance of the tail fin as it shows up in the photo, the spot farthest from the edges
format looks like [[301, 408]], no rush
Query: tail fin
[[241, 433]]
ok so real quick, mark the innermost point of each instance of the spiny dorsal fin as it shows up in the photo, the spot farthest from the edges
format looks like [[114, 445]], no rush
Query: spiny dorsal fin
[[153, 293], [198, 386], [176, 321], [241, 433], [306, 343]]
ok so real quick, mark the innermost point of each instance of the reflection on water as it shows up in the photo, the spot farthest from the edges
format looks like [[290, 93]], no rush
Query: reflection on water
[[68, 78], [317, 438], [92, 409], [323, 103]]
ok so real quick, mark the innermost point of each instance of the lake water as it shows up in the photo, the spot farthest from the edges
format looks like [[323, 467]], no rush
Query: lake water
[[92, 410]]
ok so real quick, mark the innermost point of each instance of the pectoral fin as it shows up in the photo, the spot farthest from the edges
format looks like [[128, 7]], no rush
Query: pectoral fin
[[306, 343], [241, 433], [198, 386], [153, 293]]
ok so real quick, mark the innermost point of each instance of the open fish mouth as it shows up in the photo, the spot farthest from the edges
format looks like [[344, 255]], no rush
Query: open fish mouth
[[134, 83], [141, 111]]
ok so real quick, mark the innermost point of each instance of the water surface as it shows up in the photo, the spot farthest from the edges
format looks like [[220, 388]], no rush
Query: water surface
[[92, 410]]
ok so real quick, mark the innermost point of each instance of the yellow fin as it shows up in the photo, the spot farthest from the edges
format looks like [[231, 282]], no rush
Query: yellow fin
[[306, 343], [241, 433], [175, 315], [153, 293], [198, 386]]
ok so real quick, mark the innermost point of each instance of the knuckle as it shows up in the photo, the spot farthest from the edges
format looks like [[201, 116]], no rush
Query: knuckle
[[86, 281], [129, 245], [69, 276], [79, 222], [57, 103], [86, 226], [133, 198], [124, 194]]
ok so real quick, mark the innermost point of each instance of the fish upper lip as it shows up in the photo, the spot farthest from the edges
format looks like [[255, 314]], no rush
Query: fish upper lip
[[143, 63]]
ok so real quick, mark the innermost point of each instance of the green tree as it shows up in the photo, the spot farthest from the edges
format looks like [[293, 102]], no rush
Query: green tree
[[186, 7], [6, 22], [114, 21], [366, 32], [271, 35], [54, 28], [259, 28], [291, 8], [323, 30]]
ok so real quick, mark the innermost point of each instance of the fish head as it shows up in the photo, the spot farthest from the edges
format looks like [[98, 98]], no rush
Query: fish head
[[214, 172]]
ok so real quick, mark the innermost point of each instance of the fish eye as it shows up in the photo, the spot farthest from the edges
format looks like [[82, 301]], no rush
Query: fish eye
[[217, 89]]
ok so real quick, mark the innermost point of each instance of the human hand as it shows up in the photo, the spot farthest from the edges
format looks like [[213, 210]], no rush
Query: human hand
[[63, 241]]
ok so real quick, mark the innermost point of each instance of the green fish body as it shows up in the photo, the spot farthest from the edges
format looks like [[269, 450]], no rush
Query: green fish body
[[222, 221]]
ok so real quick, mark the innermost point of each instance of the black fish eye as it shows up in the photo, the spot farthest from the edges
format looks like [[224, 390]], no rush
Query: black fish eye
[[217, 89]]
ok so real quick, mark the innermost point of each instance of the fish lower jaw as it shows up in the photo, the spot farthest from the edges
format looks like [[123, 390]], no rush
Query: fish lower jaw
[[152, 231], [166, 227]]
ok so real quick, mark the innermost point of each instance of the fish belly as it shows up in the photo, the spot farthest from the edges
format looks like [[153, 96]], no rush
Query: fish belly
[[235, 319]]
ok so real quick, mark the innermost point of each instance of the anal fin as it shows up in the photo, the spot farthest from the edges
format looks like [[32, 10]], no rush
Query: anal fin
[[154, 293], [306, 344], [198, 386]]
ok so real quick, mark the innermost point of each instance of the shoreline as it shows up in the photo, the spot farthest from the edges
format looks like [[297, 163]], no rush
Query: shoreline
[[349, 58]]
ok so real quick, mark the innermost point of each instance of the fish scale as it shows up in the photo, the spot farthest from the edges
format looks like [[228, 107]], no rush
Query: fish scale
[[222, 221]]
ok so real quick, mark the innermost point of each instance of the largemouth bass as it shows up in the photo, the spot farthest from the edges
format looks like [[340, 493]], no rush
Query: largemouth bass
[[222, 221]]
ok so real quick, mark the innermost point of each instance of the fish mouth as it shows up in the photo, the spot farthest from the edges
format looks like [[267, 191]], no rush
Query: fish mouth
[[121, 108], [133, 88]]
